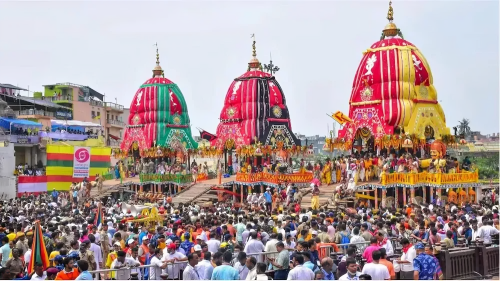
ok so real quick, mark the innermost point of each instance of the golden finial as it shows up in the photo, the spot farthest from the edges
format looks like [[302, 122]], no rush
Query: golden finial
[[157, 54], [254, 63], [157, 71], [390, 29], [390, 13], [254, 50]]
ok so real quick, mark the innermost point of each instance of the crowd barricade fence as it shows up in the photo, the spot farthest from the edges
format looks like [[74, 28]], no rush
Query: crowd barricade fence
[[476, 262]]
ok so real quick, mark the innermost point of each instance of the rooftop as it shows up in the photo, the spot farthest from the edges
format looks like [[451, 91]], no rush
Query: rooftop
[[86, 89]]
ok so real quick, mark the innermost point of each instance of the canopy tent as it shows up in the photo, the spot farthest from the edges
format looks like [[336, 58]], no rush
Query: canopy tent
[[69, 123], [7, 123]]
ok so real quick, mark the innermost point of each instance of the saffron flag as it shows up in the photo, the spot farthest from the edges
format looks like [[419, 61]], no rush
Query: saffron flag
[[98, 217], [38, 250]]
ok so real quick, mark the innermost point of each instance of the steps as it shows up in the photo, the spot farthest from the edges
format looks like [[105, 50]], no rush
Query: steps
[[192, 193]]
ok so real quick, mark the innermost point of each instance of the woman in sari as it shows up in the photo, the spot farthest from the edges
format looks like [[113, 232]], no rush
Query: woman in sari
[[117, 170]]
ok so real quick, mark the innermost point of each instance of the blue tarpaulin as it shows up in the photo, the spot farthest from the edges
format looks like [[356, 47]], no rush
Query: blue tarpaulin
[[6, 123]]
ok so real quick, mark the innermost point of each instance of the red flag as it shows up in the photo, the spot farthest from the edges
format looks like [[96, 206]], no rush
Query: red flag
[[175, 104]]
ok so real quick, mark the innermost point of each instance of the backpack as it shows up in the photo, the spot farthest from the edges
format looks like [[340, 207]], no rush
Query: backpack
[[344, 240]]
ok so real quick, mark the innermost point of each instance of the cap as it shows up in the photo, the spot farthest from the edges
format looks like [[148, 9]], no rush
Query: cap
[[52, 271], [130, 241], [58, 258], [314, 232], [145, 238], [419, 246], [172, 246], [117, 244], [197, 248]]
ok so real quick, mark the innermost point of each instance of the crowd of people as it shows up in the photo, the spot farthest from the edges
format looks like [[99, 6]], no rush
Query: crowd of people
[[228, 242]]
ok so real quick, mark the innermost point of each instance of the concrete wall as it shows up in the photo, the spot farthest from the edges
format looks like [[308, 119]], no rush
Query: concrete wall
[[7, 179]]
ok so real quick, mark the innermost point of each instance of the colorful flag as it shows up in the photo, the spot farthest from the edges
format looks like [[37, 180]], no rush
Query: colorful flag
[[98, 217], [38, 250]]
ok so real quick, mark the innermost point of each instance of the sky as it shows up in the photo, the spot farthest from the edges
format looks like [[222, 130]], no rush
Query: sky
[[204, 45]]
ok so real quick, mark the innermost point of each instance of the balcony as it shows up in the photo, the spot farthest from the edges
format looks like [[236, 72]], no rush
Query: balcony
[[113, 143], [115, 123], [20, 139], [96, 103], [60, 99], [67, 136], [111, 106], [34, 113]]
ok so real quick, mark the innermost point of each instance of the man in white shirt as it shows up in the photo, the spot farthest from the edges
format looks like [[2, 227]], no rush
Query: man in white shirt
[[205, 267], [172, 256], [299, 272], [254, 247], [39, 273], [405, 263], [122, 261], [191, 273], [213, 244], [251, 265], [157, 266], [376, 270], [96, 249], [485, 232]]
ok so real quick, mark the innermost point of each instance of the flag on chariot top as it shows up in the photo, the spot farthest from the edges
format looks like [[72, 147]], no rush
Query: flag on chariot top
[[38, 250]]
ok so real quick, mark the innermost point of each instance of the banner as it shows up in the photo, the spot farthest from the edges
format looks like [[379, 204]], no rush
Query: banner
[[81, 162]]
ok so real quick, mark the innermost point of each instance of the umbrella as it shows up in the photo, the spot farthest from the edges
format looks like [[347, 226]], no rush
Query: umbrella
[[38, 250]]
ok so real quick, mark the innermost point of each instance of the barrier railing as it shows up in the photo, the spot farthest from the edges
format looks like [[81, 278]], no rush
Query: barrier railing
[[430, 178], [274, 178], [176, 178]]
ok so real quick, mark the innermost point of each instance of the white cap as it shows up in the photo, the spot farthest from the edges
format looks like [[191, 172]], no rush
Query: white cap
[[314, 232], [117, 244], [197, 248]]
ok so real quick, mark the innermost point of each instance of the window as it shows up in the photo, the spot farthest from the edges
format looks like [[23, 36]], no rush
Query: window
[[98, 113], [107, 116], [93, 114]]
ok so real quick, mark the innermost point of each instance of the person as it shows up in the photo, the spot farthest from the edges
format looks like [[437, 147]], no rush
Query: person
[[254, 246], [171, 255], [367, 254], [16, 264], [69, 272], [376, 270], [352, 270], [83, 267], [486, 230], [190, 272], [383, 261], [261, 272], [251, 264], [240, 265], [424, 266], [5, 251], [205, 267], [300, 272], [448, 241], [327, 269], [225, 271], [39, 274], [282, 262], [158, 265], [439, 273], [123, 261]]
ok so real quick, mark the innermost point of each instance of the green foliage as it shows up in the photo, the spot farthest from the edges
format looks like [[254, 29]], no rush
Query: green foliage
[[488, 167]]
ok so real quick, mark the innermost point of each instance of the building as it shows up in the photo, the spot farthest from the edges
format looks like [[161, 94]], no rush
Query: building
[[316, 141], [88, 105]]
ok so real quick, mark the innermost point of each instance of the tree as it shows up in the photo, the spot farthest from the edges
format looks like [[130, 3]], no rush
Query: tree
[[464, 128]]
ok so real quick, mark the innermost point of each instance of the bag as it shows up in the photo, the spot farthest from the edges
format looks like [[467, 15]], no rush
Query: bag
[[344, 240]]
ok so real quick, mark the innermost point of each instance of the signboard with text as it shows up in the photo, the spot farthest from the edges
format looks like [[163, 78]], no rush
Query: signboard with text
[[81, 162]]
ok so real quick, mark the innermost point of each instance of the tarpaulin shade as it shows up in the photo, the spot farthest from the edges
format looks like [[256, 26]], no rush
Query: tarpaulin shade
[[6, 123]]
